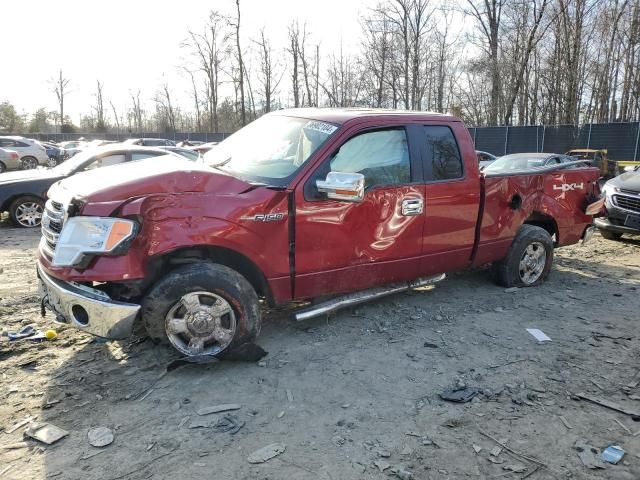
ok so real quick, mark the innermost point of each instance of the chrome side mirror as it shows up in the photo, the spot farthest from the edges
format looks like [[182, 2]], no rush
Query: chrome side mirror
[[343, 186]]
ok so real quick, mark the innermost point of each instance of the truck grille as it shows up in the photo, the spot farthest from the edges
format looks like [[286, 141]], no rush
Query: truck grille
[[628, 203], [52, 222]]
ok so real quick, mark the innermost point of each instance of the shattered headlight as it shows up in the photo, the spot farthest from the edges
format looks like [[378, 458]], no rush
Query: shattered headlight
[[82, 236]]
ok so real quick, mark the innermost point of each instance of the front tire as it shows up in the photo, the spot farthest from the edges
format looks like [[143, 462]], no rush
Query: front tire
[[29, 163], [528, 262], [26, 211], [202, 309], [610, 235]]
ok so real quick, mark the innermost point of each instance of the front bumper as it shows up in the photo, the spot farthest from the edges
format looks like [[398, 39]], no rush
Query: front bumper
[[86, 308], [605, 224]]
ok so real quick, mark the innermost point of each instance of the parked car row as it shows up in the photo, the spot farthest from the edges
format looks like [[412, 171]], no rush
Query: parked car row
[[23, 194], [21, 153]]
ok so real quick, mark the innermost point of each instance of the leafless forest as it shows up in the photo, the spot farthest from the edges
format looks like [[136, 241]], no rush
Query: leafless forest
[[491, 62]]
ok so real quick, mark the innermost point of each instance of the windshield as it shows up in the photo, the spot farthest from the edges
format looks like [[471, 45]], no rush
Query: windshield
[[271, 149], [75, 162], [517, 162]]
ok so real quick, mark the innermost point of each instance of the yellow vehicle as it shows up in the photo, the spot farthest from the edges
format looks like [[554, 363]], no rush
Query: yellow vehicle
[[600, 158]]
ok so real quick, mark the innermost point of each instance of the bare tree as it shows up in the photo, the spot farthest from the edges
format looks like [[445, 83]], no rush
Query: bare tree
[[136, 111], [163, 101], [196, 99], [60, 89], [101, 124], [115, 116], [209, 49], [241, 73], [268, 77], [294, 51]]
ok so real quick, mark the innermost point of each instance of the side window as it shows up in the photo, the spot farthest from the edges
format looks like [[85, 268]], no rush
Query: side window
[[552, 161], [21, 144], [382, 156], [442, 155], [6, 143], [106, 161], [143, 155]]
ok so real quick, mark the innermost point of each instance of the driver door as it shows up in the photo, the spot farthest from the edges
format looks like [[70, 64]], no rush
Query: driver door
[[345, 245]]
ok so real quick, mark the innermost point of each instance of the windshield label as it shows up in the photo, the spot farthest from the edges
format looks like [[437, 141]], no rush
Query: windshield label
[[322, 127]]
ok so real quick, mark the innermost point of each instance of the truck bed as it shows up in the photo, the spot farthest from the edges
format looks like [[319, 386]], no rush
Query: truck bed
[[554, 198]]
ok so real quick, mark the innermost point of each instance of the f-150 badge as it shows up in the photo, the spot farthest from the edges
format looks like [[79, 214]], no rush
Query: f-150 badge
[[265, 217], [567, 187]]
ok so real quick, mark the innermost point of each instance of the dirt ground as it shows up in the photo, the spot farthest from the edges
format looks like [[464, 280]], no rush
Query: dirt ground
[[352, 396]]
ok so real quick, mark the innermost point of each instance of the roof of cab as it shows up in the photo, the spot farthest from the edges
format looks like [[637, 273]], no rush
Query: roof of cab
[[342, 115]]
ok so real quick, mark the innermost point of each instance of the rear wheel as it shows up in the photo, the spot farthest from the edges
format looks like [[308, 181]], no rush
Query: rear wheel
[[610, 235], [3, 167], [26, 211], [29, 163], [52, 162], [528, 262], [202, 309]]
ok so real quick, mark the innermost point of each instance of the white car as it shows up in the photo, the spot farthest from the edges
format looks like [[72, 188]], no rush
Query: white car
[[31, 152]]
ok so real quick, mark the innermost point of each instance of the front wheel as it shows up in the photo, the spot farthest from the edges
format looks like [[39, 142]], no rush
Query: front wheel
[[52, 162], [26, 211], [528, 262], [202, 309]]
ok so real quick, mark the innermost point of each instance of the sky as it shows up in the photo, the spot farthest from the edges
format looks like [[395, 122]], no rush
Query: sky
[[135, 44]]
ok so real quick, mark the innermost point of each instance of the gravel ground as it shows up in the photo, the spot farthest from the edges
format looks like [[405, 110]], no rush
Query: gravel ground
[[351, 396]]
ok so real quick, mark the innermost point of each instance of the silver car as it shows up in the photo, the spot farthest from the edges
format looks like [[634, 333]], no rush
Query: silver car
[[9, 160]]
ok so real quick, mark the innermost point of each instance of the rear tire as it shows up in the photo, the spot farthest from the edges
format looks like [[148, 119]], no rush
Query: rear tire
[[29, 163], [610, 235], [3, 167], [26, 211], [202, 309], [528, 262]]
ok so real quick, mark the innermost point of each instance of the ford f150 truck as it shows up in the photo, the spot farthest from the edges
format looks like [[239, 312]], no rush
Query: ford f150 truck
[[301, 204]]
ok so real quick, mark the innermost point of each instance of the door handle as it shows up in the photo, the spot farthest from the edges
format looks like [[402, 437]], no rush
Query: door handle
[[412, 206]]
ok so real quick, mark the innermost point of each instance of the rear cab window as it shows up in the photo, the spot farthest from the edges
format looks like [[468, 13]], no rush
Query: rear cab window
[[442, 159]]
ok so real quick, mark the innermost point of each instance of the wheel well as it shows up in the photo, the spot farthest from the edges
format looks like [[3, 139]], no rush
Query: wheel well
[[544, 221], [223, 256]]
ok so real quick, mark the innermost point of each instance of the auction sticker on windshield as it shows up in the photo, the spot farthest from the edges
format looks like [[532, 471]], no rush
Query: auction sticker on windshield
[[321, 127]]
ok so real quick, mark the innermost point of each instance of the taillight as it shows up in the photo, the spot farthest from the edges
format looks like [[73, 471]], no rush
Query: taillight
[[14, 155]]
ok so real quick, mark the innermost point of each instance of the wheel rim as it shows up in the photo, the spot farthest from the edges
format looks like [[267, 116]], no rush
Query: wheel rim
[[52, 162], [29, 163], [532, 263], [29, 214], [200, 323]]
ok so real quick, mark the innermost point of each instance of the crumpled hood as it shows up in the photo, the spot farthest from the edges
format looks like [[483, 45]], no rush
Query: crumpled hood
[[629, 180], [165, 174], [27, 175]]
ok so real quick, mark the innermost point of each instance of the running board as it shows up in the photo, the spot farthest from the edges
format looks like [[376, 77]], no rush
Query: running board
[[357, 298]]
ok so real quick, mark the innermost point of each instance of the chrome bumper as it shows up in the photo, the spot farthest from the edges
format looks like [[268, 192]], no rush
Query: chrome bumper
[[588, 234], [88, 309]]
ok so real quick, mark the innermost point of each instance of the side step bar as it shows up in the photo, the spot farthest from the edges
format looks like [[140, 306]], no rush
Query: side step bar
[[357, 298]]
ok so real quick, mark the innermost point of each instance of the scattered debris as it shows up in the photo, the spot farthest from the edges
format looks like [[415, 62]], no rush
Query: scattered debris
[[495, 451], [24, 332], [228, 424], [45, 433], [21, 423], [218, 408], [608, 404], [430, 345], [512, 451], [281, 414], [624, 427], [564, 422], [459, 395], [338, 441], [100, 436], [266, 453], [384, 453], [476, 448], [382, 465], [289, 395], [589, 455], [14, 446], [515, 468], [402, 474], [538, 335], [613, 454]]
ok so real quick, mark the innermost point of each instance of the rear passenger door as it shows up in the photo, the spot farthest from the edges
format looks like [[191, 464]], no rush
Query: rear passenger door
[[452, 200]]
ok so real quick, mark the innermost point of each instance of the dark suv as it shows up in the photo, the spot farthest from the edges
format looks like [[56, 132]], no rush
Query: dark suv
[[622, 201]]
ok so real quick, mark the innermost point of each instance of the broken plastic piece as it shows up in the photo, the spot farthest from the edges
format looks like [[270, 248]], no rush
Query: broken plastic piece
[[461, 395], [613, 454]]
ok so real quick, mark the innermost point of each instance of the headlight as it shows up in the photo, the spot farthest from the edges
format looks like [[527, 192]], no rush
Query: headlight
[[609, 190], [82, 236]]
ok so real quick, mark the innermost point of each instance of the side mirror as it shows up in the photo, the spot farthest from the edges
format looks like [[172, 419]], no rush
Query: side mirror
[[343, 186]]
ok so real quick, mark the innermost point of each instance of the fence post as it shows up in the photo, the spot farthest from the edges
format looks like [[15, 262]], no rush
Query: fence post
[[543, 130], [506, 139], [589, 137], [635, 154]]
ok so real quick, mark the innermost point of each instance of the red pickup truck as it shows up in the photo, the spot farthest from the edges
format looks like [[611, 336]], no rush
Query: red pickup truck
[[299, 205]]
